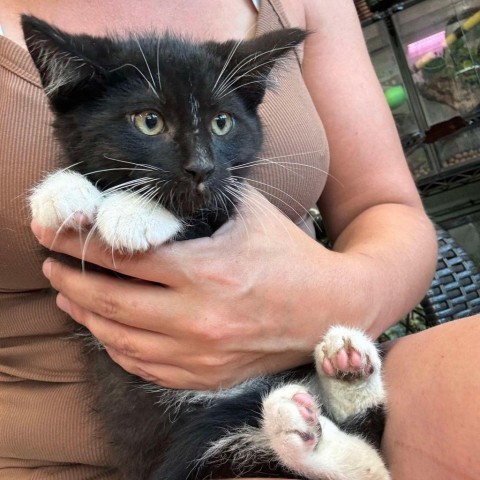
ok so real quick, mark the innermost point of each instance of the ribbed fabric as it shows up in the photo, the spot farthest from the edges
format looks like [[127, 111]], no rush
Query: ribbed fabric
[[294, 136], [46, 428]]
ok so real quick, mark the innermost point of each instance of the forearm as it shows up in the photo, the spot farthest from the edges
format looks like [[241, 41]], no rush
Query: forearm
[[389, 253]]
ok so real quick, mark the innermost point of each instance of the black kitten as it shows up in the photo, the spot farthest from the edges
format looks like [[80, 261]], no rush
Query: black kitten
[[150, 129]]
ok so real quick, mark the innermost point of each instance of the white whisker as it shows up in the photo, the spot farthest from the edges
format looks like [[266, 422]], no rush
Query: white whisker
[[142, 75], [144, 58], [144, 165], [303, 209]]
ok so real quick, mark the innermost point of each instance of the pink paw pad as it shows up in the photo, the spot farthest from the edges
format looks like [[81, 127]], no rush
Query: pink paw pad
[[306, 407], [308, 410], [346, 362]]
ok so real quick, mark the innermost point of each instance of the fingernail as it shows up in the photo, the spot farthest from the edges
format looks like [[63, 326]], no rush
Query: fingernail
[[47, 267], [63, 303]]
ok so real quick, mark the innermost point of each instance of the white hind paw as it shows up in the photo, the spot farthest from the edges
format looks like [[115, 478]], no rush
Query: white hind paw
[[346, 354], [65, 199], [291, 423], [129, 223], [310, 444], [349, 370]]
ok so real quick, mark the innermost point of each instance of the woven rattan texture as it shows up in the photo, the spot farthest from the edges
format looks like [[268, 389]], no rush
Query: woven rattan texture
[[455, 290]]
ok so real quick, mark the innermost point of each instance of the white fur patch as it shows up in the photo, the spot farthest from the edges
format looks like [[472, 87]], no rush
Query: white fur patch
[[334, 454], [129, 223], [345, 398], [125, 220], [56, 200]]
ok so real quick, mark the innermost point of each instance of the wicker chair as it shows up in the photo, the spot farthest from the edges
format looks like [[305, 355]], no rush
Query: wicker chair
[[455, 290]]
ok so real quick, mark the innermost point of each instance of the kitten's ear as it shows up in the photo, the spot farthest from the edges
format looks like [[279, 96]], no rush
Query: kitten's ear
[[249, 63], [61, 59]]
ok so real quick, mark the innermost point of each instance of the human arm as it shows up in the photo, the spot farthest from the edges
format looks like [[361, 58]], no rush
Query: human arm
[[370, 204]]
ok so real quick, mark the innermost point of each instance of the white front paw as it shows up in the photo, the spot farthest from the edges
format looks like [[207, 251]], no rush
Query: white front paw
[[56, 200], [129, 223]]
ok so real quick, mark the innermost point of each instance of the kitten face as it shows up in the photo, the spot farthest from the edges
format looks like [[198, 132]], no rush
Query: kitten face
[[184, 139], [160, 115]]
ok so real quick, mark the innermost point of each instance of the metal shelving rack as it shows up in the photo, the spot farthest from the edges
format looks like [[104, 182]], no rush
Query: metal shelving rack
[[440, 133], [430, 130]]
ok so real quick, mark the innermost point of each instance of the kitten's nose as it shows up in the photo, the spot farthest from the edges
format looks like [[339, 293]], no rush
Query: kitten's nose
[[199, 171]]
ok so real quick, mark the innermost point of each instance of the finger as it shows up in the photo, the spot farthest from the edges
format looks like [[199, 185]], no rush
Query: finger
[[156, 358], [170, 376], [141, 305], [170, 263], [134, 343], [162, 265]]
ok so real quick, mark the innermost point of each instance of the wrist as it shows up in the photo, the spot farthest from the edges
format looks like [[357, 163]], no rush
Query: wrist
[[354, 291]]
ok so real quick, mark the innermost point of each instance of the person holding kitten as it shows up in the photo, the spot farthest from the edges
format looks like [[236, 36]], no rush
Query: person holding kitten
[[233, 306]]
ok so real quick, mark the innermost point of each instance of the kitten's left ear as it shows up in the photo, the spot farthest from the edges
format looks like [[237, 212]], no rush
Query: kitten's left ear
[[64, 61], [249, 63]]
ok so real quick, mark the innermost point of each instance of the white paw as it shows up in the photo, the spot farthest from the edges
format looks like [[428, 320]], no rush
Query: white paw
[[129, 223], [62, 197], [346, 354], [311, 444], [291, 423], [349, 370]]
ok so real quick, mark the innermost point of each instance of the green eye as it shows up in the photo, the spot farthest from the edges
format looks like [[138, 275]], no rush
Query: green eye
[[222, 124], [149, 122]]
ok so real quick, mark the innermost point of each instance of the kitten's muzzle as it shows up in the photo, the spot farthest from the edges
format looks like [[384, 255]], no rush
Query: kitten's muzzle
[[198, 175], [198, 170]]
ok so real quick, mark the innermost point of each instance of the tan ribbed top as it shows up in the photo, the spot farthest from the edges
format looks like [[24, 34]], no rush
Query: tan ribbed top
[[46, 430]]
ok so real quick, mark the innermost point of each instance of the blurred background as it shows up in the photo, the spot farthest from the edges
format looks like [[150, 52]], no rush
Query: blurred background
[[426, 54]]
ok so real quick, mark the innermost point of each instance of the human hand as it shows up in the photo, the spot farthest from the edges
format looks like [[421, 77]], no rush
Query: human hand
[[208, 312]]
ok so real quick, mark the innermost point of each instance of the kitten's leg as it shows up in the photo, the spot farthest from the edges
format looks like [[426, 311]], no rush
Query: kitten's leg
[[130, 223], [65, 199], [311, 445], [349, 369]]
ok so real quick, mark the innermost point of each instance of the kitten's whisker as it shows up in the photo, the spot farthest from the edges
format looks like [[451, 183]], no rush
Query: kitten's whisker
[[229, 92], [144, 58], [237, 68], [100, 195], [128, 185], [150, 194], [144, 165], [71, 166], [259, 163], [284, 165], [231, 80], [117, 169], [27, 193], [252, 204], [258, 203], [88, 239], [258, 78], [239, 213], [278, 198], [141, 73], [269, 160], [229, 58], [299, 214], [158, 64]]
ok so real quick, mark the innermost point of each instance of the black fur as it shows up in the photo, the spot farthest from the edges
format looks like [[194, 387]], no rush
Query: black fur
[[105, 81]]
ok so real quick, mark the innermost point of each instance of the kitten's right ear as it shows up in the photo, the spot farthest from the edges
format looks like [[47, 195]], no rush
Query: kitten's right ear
[[60, 60]]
